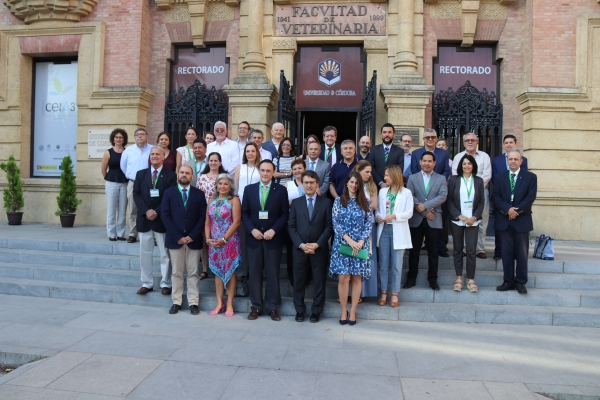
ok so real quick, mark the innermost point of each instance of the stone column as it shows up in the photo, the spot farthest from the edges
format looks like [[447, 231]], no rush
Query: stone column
[[254, 61], [405, 64]]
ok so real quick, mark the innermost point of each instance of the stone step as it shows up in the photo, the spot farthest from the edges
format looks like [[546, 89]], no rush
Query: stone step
[[408, 311]]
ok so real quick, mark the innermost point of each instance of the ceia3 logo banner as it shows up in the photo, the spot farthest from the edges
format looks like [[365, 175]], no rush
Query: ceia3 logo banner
[[330, 72]]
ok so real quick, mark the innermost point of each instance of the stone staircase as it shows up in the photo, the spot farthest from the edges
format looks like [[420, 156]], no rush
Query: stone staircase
[[560, 293]]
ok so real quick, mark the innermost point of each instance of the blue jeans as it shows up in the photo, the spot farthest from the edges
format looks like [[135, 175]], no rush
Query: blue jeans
[[389, 259]]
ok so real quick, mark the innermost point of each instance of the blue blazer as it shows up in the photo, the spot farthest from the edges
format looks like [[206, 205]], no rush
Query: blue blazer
[[279, 210], [525, 194], [442, 166], [143, 201], [270, 147], [183, 221], [499, 165]]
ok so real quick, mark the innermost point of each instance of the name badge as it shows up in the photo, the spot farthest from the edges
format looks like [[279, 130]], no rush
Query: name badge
[[468, 205], [263, 215], [154, 193], [512, 197]]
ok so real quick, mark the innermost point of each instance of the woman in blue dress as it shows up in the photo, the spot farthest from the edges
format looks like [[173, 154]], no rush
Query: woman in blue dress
[[352, 225]]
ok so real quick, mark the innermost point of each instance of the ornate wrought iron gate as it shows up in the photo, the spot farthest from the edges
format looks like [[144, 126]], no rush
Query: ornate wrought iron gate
[[198, 107], [286, 107], [468, 110], [367, 115]]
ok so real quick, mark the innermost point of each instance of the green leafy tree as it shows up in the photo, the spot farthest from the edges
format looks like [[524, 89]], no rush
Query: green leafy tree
[[13, 194], [67, 197]]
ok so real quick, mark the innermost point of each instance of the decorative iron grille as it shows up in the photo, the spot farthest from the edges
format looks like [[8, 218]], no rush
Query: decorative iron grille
[[468, 110], [198, 107], [367, 115], [286, 107]]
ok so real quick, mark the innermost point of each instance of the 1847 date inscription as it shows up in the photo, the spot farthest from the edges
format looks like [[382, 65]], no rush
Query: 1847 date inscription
[[367, 19]]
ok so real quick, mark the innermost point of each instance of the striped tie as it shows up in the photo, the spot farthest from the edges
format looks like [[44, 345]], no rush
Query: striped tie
[[386, 153]]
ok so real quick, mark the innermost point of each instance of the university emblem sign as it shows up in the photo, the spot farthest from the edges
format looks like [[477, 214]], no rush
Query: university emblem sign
[[330, 72]]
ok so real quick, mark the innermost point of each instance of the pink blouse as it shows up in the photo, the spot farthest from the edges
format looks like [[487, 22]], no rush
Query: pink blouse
[[207, 185]]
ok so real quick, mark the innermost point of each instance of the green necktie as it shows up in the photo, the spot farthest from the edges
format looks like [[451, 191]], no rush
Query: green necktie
[[263, 199], [512, 182]]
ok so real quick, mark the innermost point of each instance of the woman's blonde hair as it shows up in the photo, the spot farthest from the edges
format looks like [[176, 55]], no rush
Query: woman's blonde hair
[[395, 172]]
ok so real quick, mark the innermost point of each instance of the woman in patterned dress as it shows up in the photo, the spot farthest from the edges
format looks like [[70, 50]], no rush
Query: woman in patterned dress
[[352, 225], [283, 163], [186, 153], [223, 216], [206, 182]]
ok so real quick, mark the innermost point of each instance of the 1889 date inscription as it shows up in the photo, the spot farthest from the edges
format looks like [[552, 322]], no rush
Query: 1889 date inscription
[[326, 19]]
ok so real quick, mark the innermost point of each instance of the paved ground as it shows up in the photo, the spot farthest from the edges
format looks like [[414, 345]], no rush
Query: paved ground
[[107, 351]]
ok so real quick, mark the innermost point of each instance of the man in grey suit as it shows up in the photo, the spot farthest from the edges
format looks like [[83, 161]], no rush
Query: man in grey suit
[[322, 168], [429, 190]]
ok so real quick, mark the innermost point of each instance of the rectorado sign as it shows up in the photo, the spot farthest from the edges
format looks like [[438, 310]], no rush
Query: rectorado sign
[[365, 19]]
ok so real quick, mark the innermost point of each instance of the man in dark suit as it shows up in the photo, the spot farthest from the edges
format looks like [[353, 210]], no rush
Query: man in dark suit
[[310, 227], [329, 151], [442, 166], [429, 190], [184, 214], [385, 154], [513, 195], [265, 212], [500, 164], [148, 191]]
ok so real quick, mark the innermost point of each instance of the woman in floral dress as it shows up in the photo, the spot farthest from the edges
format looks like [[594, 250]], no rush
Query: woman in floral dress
[[223, 217], [352, 225]]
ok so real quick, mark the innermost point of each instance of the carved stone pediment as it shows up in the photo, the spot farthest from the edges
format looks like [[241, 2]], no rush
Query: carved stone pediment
[[31, 11]]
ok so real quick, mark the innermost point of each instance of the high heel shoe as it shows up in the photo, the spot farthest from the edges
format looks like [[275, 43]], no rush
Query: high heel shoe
[[350, 322], [219, 311], [345, 321], [229, 313]]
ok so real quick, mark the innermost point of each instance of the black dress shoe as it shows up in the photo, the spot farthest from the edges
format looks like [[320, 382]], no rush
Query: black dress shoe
[[254, 314], [175, 308], [409, 283], [443, 253], [434, 286], [121, 238], [194, 310], [521, 288], [275, 315], [345, 321], [314, 318], [504, 287], [166, 291], [131, 239], [497, 256], [299, 317], [112, 238]]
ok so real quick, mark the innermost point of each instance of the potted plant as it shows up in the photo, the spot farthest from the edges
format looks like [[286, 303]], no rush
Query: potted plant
[[67, 197], [13, 194]]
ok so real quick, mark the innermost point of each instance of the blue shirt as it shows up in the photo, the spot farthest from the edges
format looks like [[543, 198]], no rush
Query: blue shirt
[[339, 173]]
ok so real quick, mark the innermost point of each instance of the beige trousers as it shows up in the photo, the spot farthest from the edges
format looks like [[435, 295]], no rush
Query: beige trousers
[[132, 210], [185, 259]]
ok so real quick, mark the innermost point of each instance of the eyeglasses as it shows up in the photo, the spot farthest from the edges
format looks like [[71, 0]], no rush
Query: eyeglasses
[[469, 140], [242, 129], [140, 134], [430, 137]]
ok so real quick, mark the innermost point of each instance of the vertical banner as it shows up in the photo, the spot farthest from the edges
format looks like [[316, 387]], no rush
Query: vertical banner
[[55, 117]]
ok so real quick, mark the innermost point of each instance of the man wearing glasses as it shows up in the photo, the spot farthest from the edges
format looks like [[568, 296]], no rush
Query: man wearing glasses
[[228, 149], [484, 171], [242, 140], [442, 166], [134, 159]]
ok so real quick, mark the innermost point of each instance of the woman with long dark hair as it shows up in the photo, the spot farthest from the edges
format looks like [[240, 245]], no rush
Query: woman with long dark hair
[[283, 162], [352, 224], [186, 153]]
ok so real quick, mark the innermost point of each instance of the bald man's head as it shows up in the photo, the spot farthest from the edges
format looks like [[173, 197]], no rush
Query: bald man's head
[[364, 144]]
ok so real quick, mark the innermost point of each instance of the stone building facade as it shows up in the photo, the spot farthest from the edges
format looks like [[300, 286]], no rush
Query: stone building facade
[[545, 54]]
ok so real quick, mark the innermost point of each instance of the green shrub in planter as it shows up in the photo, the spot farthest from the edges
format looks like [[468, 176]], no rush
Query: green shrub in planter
[[13, 194], [67, 197]]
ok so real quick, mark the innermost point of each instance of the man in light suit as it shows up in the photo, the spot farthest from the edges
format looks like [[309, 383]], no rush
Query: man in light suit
[[314, 163], [385, 154], [148, 191], [184, 213], [310, 227], [513, 195], [330, 152], [429, 191], [265, 212], [500, 164]]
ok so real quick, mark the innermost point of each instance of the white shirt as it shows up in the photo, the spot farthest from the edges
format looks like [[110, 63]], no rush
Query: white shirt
[[265, 154], [157, 174], [333, 156], [247, 177], [229, 154], [484, 165], [134, 159], [516, 174], [467, 202], [426, 178], [241, 146]]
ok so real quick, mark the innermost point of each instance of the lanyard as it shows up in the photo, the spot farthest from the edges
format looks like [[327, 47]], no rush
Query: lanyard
[[469, 191], [185, 202], [201, 165], [187, 146], [427, 186], [263, 201], [329, 154], [392, 199], [249, 180], [155, 181]]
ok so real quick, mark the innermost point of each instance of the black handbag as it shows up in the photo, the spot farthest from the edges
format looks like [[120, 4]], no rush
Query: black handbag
[[241, 287]]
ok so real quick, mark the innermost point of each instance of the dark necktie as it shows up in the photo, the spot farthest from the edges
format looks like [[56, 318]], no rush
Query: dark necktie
[[512, 182], [310, 207], [154, 178], [386, 153], [184, 196]]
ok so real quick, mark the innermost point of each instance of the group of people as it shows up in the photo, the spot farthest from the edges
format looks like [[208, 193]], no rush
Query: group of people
[[236, 203]]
